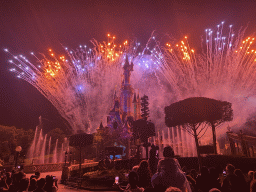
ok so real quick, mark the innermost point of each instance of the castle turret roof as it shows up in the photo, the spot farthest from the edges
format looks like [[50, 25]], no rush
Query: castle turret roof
[[134, 98], [101, 126], [126, 64]]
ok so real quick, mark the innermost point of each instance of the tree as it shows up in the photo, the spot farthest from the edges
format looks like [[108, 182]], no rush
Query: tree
[[102, 139], [11, 137], [193, 114], [142, 130], [55, 134], [144, 107], [24, 139]]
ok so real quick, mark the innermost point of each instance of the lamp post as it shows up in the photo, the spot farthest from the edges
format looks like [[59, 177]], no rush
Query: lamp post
[[70, 158], [18, 150], [66, 155]]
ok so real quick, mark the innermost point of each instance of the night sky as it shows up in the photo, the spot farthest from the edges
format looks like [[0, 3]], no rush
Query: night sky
[[37, 25]]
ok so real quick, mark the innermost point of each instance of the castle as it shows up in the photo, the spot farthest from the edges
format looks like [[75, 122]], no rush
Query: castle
[[126, 107]]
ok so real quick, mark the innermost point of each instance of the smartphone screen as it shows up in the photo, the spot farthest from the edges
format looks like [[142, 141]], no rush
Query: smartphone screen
[[116, 179]]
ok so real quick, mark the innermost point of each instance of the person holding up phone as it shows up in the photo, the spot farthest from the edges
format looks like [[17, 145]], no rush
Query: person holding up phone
[[231, 181], [49, 185], [132, 185], [117, 180]]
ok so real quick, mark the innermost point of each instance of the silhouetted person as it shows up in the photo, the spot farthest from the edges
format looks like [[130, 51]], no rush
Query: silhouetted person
[[144, 174], [8, 179], [203, 180], [192, 182], [49, 184], [214, 190], [135, 168], [133, 183], [32, 185], [3, 184], [230, 183], [37, 174], [241, 179], [170, 173], [15, 183], [173, 189], [214, 178], [24, 183], [250, 178], [40, 185], [153, 159], [17, 177], [253, 183], [193, 174]]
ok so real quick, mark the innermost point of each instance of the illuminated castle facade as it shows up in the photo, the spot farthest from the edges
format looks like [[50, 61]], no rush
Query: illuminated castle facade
[[127, 106]]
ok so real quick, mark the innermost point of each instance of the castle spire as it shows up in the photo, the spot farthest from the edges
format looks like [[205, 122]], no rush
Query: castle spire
[[138, 106], [126, 63], [115, 96], [127, 90], [134, 98], [101, 126]]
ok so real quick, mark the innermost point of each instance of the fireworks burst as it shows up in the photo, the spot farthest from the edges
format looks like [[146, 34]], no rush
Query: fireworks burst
[[81, 83], [224, 70]]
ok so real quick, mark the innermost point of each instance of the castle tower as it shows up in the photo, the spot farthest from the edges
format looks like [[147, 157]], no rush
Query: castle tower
[[138, 106], [135, 107], [126, 90]]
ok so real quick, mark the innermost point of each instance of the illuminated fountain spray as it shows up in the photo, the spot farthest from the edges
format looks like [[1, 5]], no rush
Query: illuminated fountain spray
[[54, 158], [40, 150], [182, 143]]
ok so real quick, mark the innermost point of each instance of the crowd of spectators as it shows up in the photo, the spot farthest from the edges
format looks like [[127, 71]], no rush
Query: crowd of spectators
[[167, 175], [150, 175], [18, 182]]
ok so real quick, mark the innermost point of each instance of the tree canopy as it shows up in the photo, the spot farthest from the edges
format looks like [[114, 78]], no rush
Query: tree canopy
[[144, 107], [191, 113], [11, 137], [143, 129], [198, 109]]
